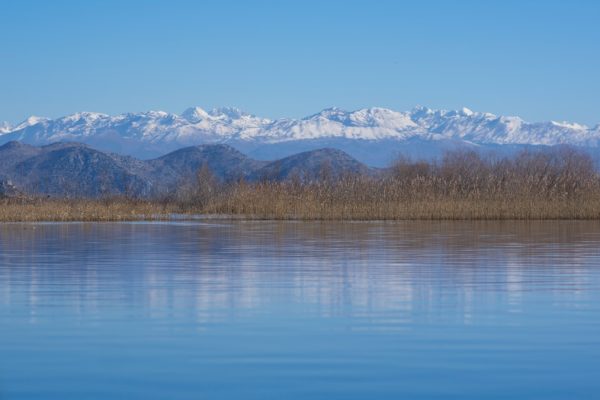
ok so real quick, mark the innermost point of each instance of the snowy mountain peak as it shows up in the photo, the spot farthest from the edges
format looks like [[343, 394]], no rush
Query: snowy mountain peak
[[154, 132], [331, 113], [421, 109], [419, 112], [156, 114], [229, 112], [466, 112], [31, 121], [83, 117], [383, 118], [569, 125], [463, 112], [373, 117], [195, 114]]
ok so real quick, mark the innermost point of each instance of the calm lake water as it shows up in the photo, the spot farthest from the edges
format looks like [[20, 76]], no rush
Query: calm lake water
[[258, 310]]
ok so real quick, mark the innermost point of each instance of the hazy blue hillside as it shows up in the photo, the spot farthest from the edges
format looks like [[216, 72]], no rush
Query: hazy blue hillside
[[75, 169]]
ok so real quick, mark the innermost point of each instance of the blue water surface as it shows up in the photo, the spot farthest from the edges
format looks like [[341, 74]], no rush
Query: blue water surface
[[300, 310]]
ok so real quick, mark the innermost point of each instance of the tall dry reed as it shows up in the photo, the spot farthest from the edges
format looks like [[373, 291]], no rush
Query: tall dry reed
[[559, 184]]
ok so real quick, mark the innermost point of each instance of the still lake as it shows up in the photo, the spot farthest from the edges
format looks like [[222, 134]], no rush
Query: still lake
[[300, 310]]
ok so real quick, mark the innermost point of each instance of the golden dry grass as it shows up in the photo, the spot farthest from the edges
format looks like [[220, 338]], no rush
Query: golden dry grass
[[17, 210], [272, 202]]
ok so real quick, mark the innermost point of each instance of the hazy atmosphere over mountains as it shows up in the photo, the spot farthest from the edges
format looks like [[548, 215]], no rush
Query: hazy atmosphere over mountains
[[372, 135]]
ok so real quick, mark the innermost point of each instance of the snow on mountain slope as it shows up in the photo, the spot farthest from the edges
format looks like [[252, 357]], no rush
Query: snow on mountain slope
[[5, 127], [154, 132], [366, 124]]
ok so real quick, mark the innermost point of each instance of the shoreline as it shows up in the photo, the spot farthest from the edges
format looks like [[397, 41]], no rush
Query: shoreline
[[116, 210]]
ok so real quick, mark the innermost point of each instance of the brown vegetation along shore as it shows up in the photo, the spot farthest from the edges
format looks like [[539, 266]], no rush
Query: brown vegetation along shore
[[30, 210], [562, 184]]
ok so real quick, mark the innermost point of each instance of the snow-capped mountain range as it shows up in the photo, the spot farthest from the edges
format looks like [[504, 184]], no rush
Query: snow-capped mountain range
[[373, 135]]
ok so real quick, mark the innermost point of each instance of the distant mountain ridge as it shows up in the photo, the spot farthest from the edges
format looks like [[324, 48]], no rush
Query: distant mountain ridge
[[77, 170], [373, 135]]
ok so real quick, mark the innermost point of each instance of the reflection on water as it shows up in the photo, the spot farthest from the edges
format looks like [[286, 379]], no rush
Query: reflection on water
[[296, 310]]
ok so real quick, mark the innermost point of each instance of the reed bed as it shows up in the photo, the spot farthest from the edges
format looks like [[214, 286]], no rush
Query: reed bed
[[62, 210], [274, 201], [562, 184]]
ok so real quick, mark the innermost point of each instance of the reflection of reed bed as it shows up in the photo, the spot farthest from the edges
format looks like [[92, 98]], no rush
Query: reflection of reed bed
[[562, 184]]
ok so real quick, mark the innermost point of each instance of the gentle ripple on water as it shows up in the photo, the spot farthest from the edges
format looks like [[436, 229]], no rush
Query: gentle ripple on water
[[254, 310]]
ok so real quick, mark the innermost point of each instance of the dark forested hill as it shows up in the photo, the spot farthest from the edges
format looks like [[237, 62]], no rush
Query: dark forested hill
[[77, 170]]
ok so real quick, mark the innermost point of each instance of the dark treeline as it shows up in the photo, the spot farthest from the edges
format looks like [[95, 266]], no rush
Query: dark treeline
[[561, 183], [558, 174]]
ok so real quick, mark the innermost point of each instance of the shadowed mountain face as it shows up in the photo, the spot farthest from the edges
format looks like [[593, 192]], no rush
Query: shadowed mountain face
[[224, 161], [13, 152], [73, 169], [322, 163]]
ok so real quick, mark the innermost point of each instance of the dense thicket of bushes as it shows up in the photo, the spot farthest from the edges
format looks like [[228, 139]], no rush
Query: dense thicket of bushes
[[562, 183]]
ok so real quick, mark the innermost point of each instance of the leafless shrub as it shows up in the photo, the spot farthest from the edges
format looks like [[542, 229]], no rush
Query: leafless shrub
[[554, 184]]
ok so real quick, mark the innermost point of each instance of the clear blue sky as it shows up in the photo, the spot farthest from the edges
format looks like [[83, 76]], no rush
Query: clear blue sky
[[536, 59]]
